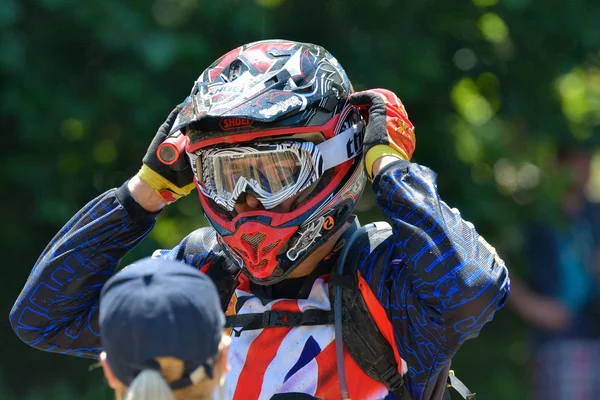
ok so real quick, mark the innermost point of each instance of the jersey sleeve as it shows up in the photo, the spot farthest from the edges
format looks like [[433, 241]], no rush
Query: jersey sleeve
[[57, 309], [444, 281]]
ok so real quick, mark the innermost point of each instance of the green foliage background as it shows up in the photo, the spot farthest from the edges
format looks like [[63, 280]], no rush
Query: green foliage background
[[493, 87]]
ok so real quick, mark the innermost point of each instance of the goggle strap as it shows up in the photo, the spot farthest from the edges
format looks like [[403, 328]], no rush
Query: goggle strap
[[342, 147]]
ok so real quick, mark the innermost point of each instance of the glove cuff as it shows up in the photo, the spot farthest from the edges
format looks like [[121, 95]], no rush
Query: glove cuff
[[167, 189], [378, 151]]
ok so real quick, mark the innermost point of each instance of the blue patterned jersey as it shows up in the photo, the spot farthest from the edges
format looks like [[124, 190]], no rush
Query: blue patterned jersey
[[437, 279]]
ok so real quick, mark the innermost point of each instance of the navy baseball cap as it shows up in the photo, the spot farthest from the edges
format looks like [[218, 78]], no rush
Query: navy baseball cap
[[159, 308]]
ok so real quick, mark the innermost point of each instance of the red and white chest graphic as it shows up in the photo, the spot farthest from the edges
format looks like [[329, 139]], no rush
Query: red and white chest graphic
[[272, 361]]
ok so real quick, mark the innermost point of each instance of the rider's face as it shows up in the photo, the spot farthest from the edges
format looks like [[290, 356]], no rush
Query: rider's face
[[247, 202]]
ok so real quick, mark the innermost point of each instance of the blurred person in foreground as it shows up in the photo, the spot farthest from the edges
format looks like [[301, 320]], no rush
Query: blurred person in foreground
[[563, 302], [162, 333], [278, 151]]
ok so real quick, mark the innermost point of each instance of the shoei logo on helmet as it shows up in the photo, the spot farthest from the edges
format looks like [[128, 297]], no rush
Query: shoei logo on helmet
[[234, 123], [354, 144]]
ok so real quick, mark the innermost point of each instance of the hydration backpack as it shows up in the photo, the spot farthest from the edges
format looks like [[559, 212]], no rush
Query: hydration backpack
[[355, 328]]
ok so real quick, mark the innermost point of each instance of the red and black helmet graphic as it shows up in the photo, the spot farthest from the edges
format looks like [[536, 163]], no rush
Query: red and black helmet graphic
[[274, 90], [264, 86]]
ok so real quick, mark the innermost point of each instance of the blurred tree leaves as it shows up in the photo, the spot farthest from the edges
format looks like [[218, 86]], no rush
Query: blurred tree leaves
[[493, 87]]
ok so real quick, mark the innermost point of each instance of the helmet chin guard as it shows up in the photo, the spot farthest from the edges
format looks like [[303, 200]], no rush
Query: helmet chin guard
[[258, 245]]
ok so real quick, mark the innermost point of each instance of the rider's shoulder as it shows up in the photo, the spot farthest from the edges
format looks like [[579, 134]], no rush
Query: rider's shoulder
[[202, 239]]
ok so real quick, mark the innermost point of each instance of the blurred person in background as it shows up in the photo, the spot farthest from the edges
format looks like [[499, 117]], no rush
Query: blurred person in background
[[162, 333], [278, 150], [562, 304]]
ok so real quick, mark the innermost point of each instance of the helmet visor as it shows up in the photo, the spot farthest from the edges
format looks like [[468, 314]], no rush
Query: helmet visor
[[271, 172]]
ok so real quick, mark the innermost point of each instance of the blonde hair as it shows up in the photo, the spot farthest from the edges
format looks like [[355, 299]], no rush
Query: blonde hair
[[150, 384]]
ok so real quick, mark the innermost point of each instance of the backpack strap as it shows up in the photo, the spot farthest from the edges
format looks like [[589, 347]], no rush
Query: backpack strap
[[456, 384], [278, 319], [354, 325]]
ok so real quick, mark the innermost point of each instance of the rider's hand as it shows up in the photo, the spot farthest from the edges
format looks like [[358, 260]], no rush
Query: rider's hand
[[389, 132], [170, 183]]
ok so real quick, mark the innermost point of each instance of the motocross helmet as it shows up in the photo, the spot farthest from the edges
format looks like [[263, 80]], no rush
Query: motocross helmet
[[271, 118]]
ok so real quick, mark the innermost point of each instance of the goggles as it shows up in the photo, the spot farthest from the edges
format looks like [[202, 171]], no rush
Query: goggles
[[273, 172]]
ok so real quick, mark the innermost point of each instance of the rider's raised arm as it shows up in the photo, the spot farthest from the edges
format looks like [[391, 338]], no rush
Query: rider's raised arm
[[447, 280], [57, 309]]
